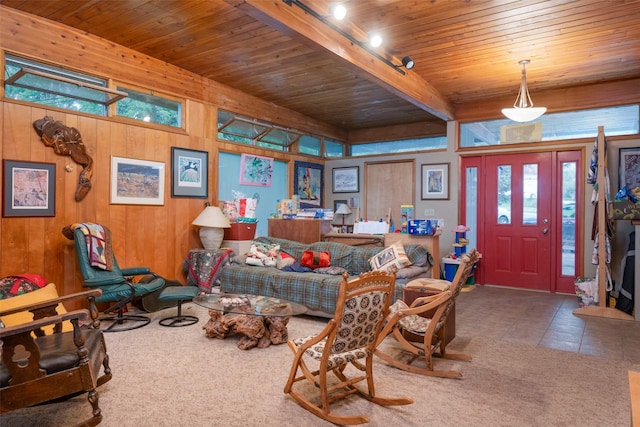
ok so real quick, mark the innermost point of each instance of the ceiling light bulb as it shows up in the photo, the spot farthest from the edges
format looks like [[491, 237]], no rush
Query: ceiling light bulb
[[375, 40], [338, 11]]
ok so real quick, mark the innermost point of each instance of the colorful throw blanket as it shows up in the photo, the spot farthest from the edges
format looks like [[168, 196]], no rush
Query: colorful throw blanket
[[98, 238]]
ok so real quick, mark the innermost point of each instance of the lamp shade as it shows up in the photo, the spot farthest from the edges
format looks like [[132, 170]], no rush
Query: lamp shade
[[343, 209], [211, 222], [525, 114], [212, 216]]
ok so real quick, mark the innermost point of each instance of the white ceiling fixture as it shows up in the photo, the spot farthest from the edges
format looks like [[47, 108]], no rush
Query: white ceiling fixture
[[523, 109]]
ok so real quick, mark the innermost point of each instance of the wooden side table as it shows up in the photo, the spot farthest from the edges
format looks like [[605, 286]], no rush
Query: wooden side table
[[204, 265]]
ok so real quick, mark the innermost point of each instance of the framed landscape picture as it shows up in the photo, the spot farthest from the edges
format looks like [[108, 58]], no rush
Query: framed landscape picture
[[435, 181], [189, 173], [346, 180], [28, 189], [136, 182], [308, 180]]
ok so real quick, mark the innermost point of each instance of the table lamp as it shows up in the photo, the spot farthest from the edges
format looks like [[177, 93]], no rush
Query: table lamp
[[211, 222], [343, 210]]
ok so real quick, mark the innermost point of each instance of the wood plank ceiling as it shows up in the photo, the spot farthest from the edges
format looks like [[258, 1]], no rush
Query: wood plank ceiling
[[465, 51]]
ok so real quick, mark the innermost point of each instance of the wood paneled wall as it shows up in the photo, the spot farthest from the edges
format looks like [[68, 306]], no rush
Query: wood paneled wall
[[155, 236]]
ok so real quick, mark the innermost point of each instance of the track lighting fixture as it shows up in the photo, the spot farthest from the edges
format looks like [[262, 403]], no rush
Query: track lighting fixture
[[408, 63]]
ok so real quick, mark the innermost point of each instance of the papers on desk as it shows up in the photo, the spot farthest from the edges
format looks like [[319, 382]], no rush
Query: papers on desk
[[370, 227]]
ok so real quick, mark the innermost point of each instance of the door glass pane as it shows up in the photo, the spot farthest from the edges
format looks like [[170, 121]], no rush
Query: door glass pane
[[529, 193], [568, 218], [504, 194], [471, 196]]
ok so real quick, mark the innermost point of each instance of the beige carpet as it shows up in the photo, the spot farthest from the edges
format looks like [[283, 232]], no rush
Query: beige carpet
[[178, 377]]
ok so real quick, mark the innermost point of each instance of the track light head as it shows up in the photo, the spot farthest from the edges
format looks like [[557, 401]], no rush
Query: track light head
[[408, 62]]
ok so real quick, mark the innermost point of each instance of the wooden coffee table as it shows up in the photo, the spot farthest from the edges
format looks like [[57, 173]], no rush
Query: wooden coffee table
[[261, 321]]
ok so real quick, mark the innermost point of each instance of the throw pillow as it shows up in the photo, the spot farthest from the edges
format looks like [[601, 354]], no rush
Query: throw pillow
[[262, 254], [314, 259], [43, 294], [391, 258], [284, 260]]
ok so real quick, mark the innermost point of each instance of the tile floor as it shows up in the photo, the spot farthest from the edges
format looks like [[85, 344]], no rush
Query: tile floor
[[544, 319]]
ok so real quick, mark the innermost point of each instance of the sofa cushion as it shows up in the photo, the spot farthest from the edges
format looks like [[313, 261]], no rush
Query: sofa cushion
[[284, 260], [392, 258], [313, 259]]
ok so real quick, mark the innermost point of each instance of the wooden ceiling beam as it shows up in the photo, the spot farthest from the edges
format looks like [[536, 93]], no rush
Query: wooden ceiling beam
[[297, 24]]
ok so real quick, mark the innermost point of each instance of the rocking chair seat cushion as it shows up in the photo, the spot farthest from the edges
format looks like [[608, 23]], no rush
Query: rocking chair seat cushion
[[412, 323], [336, 359], [58, 352]]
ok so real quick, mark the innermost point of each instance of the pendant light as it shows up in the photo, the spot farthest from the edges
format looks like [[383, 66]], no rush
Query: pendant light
[[523, 109]]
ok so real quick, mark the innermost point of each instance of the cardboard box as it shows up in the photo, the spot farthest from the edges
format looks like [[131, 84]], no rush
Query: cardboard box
[[240, 231]]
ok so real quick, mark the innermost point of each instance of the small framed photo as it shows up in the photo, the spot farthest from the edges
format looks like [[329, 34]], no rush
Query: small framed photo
[[346, 180], [308, 180], [337, 203], [435, 181], [189, 173], [136, 182], [29, 189], [629, 168], [256, 170]]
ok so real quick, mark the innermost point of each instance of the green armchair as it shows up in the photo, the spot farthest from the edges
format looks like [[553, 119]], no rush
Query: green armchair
[[117, 286]]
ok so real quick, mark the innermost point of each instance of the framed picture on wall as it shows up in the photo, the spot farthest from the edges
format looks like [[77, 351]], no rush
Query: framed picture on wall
[[308, 180], [629, 168], [337, 203], [29, 189], [189, 173], [346, 180], [435, 181], [136, 182], [256, 170]]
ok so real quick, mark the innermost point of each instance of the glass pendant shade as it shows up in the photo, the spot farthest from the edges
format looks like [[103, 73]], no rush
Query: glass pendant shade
[[523, 109]]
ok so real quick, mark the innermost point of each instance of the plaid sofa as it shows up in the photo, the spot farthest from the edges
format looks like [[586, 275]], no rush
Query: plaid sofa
[[318, 292]]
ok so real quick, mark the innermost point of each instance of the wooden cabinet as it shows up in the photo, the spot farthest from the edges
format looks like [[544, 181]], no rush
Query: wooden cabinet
[[299, 230]]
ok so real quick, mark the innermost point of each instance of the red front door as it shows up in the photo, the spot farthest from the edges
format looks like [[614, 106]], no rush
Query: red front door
[[517, 220]]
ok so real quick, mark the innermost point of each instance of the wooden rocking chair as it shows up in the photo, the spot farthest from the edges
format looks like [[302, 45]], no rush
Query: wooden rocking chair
[[349, 337], [38, 368], [426, 318]]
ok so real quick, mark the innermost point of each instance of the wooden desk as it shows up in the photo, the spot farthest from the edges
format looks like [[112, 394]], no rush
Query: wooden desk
[[299, 230], [432, 243], [365, 240]]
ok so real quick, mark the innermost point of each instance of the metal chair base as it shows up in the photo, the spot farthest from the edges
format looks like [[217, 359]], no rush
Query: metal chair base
[[178, 321], [134, 321]]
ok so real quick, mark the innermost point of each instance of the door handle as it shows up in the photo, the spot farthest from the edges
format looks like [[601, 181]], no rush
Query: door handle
[[545, 230]]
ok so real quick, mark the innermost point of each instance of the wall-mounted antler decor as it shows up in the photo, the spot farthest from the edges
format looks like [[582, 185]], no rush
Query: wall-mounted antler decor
[[67, 141]]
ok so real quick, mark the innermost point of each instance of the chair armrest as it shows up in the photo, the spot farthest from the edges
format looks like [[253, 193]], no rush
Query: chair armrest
[[424, 304], [135, 271], [80, 315], [93, 293]]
